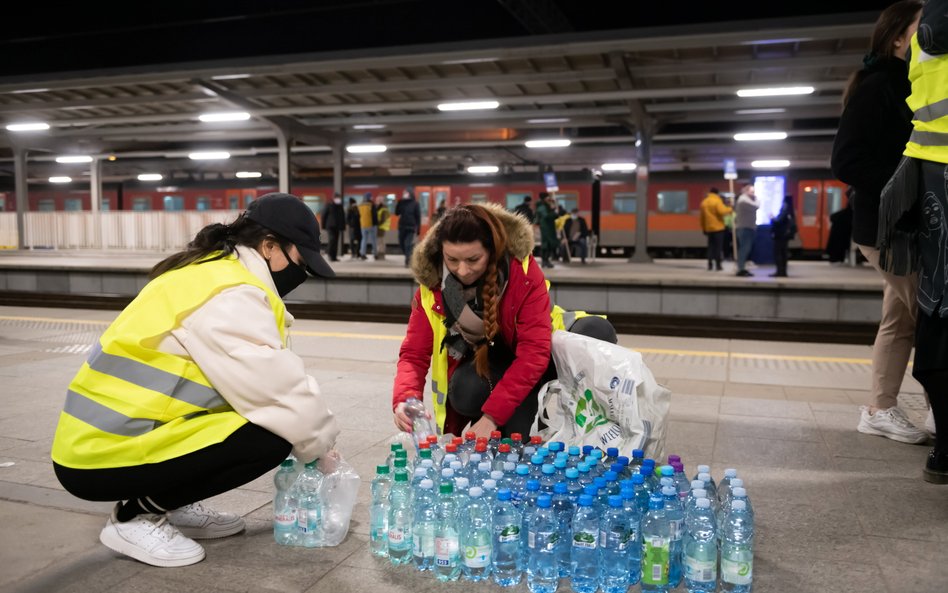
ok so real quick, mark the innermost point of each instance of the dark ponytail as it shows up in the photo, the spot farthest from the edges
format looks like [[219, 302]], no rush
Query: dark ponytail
[[215, 241]]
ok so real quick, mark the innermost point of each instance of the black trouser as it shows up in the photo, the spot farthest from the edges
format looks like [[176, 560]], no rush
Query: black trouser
[[467, 391], [332, 247], [781, 255], [355, 239], [936, 386], [248, 453], [715, 248], [406, 242]]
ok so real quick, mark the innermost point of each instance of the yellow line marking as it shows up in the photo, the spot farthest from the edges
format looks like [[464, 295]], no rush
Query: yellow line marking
[[53, 320], [345, 335]]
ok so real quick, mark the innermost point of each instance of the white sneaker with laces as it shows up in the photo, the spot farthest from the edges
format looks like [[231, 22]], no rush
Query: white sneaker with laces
[[152, 540], [892, 424], [199, 522], [930, 422]]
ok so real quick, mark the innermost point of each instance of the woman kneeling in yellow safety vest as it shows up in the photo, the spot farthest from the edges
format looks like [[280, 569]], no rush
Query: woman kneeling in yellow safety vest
[[192, 390]]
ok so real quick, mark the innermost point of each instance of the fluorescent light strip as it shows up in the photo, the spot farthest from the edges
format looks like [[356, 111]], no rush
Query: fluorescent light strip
[[150, 177], [619, 166], [248, 174], [230, 76], [74, 159], [775, 91], [557, 143], [24, 91], [366, 148], [548, 120], [60, 179], [771, 164], [483, 169], [368, 126], [760, 111], [757, 136], [468, 105], [225, 116], [209, 155], [28, 127]]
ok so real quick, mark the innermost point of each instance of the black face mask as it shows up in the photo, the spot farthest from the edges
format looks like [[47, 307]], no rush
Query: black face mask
[[289, 277]]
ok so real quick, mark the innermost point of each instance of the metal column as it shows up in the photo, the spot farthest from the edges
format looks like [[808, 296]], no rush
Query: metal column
[[22, 195], [284, 143], [95, 202], [643, 145], [338, 162]]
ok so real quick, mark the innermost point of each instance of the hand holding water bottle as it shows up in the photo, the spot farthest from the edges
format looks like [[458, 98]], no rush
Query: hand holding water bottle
[[411, 416]]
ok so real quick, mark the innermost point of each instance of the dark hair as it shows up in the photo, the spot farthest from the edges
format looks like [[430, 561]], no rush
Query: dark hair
[[466, 224], [217, 241], [544, 195], [891, 24], [714, 190]]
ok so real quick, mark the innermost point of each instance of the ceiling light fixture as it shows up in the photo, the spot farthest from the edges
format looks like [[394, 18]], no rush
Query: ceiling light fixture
[[368, 126], [548, 120], [366, 148], [224, 116], [468, 105], [74, 159], [771, 164], [248, 174], [28, 127], [229, 76], [760, 111], [556, 143], [776, 91], [211, 155], [757, 136], [150, 177], [483, 169], [60, 179], [619, 166]]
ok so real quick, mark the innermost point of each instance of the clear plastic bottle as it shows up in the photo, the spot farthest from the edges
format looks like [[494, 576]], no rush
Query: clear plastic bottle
[[423, 526], [494, 442], [563, 509], [573, 487], [638, 455], [612, 453], [437, 451], [547, 478], [713, 488], [527, 506], [500, 457], [634, 570], [615, 541], [516, 444], [675, 516], [400, 520], [681, 480], [542, 572], [641, 493], [475, 536], [700, 544], [518, 485], [447, 565], [737, 550], [309, 509], [284, 505], [390, 460], [724, 487], [489, 486], [656, 541], [575, 456], [584, 552], [507, 564], [421, 426], [378, 511]]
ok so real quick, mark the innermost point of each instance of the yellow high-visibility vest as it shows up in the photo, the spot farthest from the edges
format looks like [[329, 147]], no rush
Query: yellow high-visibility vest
[[929, 104], [131, 404]]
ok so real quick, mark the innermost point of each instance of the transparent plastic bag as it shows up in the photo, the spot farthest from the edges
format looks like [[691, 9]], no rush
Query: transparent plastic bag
[[338, 491]]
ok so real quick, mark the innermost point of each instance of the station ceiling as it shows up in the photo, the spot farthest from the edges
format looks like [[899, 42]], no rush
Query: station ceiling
[[133, 86]]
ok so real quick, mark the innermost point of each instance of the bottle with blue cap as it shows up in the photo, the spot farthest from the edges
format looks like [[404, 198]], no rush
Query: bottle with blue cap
[[635, 462], [518, 485], [547, 478], [447, 559], [584, 548], [612, 454], [623, 462], [700, 545], [575, 456], [656, 547], [614, 543], [506, 555], [573, 487], [475, 536], [642, 493], [585, 478], [527, 506], [543, 540], [536, 466], [737, 549], [675, 516], [563, 509], [632, 513], [612, 480], [602, 494], [424, 519], [560, 466]]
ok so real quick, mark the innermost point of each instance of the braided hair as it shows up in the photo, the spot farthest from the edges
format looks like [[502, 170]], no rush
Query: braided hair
[[467, 224]]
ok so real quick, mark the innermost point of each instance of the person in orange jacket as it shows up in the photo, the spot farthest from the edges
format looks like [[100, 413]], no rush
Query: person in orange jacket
[[713, 211]]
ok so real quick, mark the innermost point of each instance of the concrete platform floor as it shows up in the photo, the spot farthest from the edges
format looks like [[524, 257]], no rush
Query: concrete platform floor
[[837, 511]]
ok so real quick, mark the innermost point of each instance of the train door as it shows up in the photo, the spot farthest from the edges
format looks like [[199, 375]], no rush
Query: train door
[[819, 200], [232, 199]]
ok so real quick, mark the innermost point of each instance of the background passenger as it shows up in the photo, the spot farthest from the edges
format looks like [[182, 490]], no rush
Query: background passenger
[[713, 211], [745, 220], [354, 221], [783, 228]]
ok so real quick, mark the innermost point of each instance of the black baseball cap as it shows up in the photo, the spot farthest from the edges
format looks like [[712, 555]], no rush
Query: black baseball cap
[[291, 219]]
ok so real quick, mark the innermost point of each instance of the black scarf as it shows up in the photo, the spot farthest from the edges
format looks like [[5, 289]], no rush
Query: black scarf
[[452, 295]]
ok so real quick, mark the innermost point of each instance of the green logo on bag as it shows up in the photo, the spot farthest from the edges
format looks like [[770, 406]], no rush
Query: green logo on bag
[[589, 414]]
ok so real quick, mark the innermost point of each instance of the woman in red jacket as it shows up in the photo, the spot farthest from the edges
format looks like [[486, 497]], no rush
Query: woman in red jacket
[[481, 323]]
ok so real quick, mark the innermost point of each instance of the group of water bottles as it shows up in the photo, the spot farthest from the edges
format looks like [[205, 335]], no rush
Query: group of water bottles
[[496, 508], [297, 505]]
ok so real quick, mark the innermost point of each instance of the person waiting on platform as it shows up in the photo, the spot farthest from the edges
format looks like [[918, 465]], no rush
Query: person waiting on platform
[[481, 322], [713, 211], [783, 228], [368, 221], [577, 234], [384, 218], [334, 222], [192, 391], [546, 218], [745, 221], [354, 222]]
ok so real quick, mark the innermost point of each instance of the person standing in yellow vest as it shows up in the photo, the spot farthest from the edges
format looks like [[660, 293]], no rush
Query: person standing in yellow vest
[[385, 223], [913, 224], [481, 322], [192, 390]]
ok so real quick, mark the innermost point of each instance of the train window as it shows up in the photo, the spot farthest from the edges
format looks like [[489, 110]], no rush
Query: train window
[[105, 205], [834, 199], [390, 200], [3, 203], [423, 199], [249, 197], [233, 202], [141, 204], [72, 204], [478, 198], [203, 203], [811, 200], [568, 200], [624, 203], [173, 203], [673, 202], [514, 199], [46, 205], [315, 203]]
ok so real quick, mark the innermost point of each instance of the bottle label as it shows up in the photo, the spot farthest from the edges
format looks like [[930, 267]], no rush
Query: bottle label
[[307, 520], [510, 533], [737, 572], [422, 544], [655, 558], [285, 519], [446, 551], [477, 556], [396, 535], [701, 571], [586, 539]]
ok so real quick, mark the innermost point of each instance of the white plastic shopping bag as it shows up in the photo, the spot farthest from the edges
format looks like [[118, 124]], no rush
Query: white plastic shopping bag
[[604, 396]]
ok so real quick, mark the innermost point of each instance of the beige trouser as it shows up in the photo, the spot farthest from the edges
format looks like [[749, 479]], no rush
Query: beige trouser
[[896, 335]]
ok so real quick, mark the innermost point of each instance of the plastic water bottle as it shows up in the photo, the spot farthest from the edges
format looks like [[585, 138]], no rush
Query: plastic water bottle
[[447, 565], [506, 523], [584, 553], [461, 487], [309, 510], [563, 509], [700, 543], [437, 451], [724, 487], [500, 457], [573, 487], [713, 488], [638, 455], [585, 478], [681, 481], [378, 511], [675, 516], [634, 567], [516, 444], [543, 537], [284, 505], [527, 506], [737, 550], [474, 526], [642, 493], [400, 520], [489, 486], [519, 484], [656, 544], [614, 546], [423, 525], [421, 427], [547, 478], [575, 454]]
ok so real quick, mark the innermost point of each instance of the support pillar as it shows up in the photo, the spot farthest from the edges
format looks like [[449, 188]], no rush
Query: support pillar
[[22, 196], [284, 143], [644, 151], [338, 163], [95, 202]]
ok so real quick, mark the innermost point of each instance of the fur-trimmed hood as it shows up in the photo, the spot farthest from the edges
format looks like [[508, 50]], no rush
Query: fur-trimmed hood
[[424, 258]]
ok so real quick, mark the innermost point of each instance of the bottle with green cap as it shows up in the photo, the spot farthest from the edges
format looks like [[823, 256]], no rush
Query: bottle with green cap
[[447, 565], [309, 510], [284, 505], [389, 461], [378, 511], [399, 520]]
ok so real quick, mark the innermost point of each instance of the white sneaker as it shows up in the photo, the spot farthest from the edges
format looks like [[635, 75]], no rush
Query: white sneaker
[[152, 540], [197, 521], [892, 424], [930, 422]]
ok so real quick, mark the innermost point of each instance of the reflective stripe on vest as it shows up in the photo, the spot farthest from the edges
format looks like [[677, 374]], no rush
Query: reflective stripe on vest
[[932, 112], [929, 77], [132, 404]]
